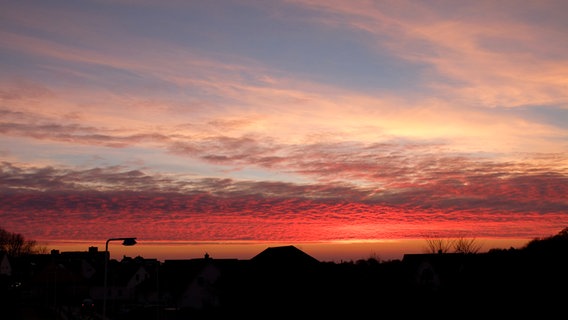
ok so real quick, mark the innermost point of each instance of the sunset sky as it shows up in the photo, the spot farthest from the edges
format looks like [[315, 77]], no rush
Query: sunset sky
[[213, 125]]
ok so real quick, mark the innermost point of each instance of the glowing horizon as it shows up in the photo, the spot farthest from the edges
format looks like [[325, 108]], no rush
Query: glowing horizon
[[283, 122], [334, 251]]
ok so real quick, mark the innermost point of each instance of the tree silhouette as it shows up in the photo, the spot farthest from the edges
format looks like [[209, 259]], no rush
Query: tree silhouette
[[457, 245], [553, 244], [466, 245], [17, 245], [437, 245]]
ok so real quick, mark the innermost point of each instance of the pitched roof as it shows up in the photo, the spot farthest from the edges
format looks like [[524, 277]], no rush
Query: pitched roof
[[284, 255]]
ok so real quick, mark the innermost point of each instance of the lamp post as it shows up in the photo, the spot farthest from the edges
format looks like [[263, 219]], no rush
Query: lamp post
[[125, 242]]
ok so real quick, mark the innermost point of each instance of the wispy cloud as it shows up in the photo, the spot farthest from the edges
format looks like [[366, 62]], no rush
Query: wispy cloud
[[483, 54]]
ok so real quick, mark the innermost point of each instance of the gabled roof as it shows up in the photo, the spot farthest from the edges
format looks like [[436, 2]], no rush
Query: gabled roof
[[284, 255]]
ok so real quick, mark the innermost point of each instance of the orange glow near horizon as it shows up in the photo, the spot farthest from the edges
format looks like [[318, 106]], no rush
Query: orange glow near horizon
[[339, 251]]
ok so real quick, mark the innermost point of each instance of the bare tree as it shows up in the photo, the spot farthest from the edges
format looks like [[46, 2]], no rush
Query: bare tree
[[466, 245], [16, 245], [437, 245], [457, 245]]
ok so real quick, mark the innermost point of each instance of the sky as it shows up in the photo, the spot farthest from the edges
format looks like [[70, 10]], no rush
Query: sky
[[364, 126]]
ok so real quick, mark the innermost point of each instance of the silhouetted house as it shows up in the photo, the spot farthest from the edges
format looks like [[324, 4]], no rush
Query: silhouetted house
[[58, 282], [87, 265], [196, 284], [123, 280], [201, 292], [26, 271], [146, 283], [64, 277], [438, 271], [283, 279]]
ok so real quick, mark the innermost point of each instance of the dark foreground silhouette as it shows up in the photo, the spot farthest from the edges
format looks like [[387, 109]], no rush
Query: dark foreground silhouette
[[284, 282]]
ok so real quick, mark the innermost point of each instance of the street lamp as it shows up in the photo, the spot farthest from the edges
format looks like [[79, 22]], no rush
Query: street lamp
[[125, 242]]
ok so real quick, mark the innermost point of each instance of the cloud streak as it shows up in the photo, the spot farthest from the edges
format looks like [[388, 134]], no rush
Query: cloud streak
[[481, 50]]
